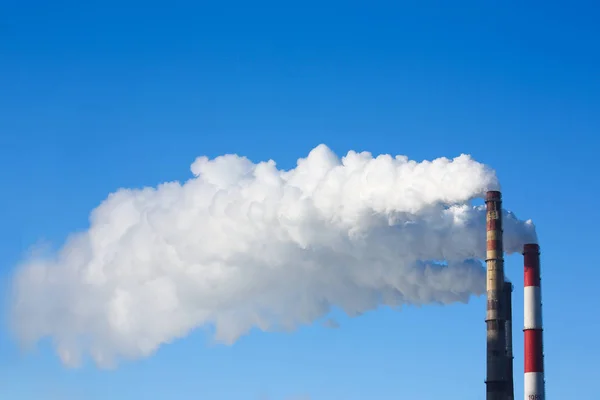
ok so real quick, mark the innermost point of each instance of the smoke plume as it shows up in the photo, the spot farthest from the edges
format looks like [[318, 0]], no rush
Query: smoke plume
[[243, 245]]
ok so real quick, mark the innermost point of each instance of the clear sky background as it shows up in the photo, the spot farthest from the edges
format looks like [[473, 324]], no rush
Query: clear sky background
[[97, 96]]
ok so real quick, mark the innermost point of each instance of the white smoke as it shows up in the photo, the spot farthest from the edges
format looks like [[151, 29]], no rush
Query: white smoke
[[243, 245]]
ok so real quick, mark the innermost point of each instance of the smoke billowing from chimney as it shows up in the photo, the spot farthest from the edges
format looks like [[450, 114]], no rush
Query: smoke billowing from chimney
[[244, 245]]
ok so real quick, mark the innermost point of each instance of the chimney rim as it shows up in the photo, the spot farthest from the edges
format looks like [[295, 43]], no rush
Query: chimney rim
[[531, 248], [493, 195]]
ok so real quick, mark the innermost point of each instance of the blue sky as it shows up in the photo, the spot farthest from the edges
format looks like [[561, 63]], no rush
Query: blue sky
[[125, 94]]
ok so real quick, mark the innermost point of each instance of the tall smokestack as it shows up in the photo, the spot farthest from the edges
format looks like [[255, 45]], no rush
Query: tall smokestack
[[534, 351], [510, 388], [496, 337]]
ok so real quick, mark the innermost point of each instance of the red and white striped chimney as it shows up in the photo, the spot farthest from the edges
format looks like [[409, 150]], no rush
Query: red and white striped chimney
[[534, 355]]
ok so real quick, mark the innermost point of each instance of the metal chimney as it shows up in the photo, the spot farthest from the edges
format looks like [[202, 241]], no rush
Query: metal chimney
[[510, 388], [534, 350], [496, 381]]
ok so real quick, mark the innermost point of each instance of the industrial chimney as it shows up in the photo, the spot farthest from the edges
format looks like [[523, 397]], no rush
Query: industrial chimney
[[534, 356], [510, 388], [496, 381]]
